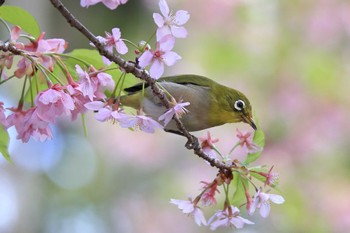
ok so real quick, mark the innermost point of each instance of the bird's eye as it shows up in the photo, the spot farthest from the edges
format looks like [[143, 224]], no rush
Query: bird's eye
[[239, 105]]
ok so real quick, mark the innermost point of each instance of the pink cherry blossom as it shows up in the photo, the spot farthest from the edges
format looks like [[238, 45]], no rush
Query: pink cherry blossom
[[15, 33], [208, 197], [40, 50], [177, 110], [207, 144], [188, 207], [271, 177], [262, 202], [246, 142], [24, 67], [228, 218], [6, 60], [3, 120], [104, 112], [162, 55], [112, 41], [84, 83], [111, 4], [170, 24], [51, 46], [28, 123], [141, 121], [79, 100], [93, 84], [101, 82], [52, 103]]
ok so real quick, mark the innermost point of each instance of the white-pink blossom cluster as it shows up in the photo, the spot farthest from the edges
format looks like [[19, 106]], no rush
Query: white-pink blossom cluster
[[230, 215], [37, 51], [169, 28]]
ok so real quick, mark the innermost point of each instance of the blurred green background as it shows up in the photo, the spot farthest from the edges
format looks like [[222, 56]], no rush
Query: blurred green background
[[291, 58]]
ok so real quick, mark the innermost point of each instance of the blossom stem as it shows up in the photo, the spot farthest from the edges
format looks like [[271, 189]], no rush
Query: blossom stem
[[64, 68], [122, 76], [251, 182], [233, 148], [5, 80], [70, 56], [31, 92], [45, 71], [227, 201], [130, 42], [106, 69], [30, 38], [149, 39], [21, 100], [84, 125], [217, 151], [122, 84]]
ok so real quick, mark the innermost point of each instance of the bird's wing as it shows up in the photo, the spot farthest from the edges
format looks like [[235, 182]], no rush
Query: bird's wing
[[185, 79]]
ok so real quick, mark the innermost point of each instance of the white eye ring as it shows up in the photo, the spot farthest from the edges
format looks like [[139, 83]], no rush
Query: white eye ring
[[239, 105]]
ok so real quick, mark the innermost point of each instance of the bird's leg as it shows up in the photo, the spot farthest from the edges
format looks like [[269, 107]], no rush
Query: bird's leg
[[192, 143]]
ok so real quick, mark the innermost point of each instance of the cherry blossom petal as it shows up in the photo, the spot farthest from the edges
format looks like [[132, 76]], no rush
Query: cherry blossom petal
[[158, 19], [167, 117], [147, 124], [103, 114], [166, 43], [199, 217], [163, 31], [87, 3], [265, 209], [116, 34], [15, 32], [237, 222], [179, 32], [145, 59], [277, 199], [111, 4], [185, 205], [94, 105], [218, 223], [157, 69], [3, 120], [106, 61], [181, 17], [163, 6], [170, 58], [121, 47], [105, 80]]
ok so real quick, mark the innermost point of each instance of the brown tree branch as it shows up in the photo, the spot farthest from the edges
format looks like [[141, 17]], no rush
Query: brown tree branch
[[130, 67]]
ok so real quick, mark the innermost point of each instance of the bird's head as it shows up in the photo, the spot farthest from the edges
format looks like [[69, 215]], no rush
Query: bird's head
[[237, 107]]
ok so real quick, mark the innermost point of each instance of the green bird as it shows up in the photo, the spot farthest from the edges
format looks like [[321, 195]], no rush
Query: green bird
[[211, 104]]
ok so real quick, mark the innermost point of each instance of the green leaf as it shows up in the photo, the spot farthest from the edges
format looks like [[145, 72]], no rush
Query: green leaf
[[17, 16], [259, 139], [238, 197], [4, 143], [91, 56]]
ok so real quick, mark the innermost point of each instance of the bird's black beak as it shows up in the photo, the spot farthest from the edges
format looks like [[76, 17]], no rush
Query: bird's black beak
[[249, 120]]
